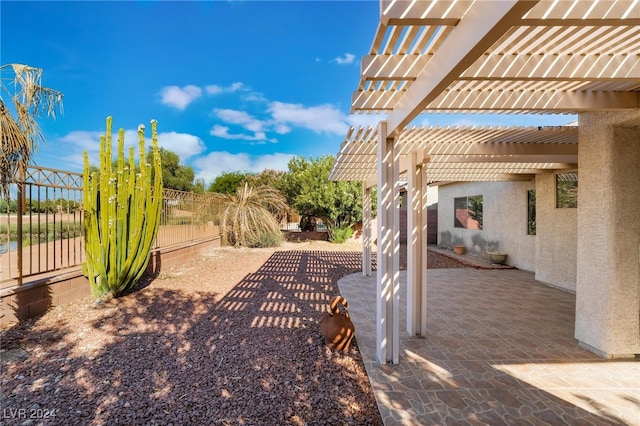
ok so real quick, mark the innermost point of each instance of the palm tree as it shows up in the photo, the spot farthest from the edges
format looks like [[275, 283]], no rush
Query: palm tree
[[250, 217], [20, 135]]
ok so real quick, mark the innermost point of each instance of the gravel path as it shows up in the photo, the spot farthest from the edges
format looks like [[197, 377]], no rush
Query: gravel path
[[230, 338]]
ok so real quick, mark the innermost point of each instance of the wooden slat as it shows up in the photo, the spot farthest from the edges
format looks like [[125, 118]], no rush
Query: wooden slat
[[594, 42], [465, 150]]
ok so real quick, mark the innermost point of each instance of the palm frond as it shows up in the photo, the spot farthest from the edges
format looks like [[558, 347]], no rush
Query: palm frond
[[20, 135]]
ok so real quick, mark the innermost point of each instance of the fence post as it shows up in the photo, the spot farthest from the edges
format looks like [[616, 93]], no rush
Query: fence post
[[193, 214], [20, 208]]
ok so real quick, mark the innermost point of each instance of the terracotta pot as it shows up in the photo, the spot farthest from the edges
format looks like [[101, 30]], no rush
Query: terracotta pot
[[458, 249], [336, 327]]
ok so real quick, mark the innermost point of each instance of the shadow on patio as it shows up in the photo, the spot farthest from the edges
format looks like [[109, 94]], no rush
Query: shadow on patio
[[499, 350]]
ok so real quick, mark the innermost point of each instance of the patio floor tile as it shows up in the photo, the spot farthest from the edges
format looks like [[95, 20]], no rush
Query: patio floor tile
[[499, 350]]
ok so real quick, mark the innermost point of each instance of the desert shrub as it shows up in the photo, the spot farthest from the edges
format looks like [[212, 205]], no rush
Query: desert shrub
[[267, 239], [250, 216], [340, 235]]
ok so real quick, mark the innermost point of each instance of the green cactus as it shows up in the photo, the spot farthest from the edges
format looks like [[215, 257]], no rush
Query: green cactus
[[122, 214]]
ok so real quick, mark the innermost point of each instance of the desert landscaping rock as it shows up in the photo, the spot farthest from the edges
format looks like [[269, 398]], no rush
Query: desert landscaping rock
[[229, 338]]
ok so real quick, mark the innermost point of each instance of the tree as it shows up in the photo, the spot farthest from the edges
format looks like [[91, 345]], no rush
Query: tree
[[267, 177], [249, 218], [174, 174], [198, 186], [228, 182], [12, 206], [308, 190], [20, 135]]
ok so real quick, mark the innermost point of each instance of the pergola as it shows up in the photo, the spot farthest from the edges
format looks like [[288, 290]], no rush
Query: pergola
[[464, 154], [508, 56]]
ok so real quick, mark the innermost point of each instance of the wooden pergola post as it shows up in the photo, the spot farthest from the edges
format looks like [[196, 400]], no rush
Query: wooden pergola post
[[388, 282], [366, 230], [416, 246]]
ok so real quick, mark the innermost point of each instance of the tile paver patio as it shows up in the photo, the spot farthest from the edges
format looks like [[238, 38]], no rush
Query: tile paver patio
[[499, 350]]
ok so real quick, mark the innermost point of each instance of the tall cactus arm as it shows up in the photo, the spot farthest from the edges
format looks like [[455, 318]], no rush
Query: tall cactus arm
[[90, 266], [123, 215]]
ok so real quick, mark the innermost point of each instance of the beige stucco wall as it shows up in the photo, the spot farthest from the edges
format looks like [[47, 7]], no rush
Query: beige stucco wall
[[432, 196], [608, 262], [504, 220], [557, 236]]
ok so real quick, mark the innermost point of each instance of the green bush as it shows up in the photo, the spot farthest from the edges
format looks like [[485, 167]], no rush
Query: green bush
[[340, 235], [267, 239], [39, 233]]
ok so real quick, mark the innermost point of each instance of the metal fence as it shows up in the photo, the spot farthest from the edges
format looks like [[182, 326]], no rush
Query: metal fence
[[41, 224], [187, 216], [295, 226]]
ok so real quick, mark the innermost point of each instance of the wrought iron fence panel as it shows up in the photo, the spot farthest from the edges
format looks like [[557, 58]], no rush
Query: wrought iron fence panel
[[187, 216], [42, 227], [41, 224]]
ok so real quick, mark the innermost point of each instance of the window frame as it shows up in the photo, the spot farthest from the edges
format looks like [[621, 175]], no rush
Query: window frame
[[472, 215], [565, 185], [531, 208]]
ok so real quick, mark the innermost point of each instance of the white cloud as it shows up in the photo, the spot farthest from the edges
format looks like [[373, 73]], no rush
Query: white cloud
[[83, 139], [282, 129], [275, 161], [347, 59], [216, 163], [213, 89], [424, 121], [223, 132], [262, 137], [184, 145], [179, 98], [463, 122], [254, 97], [236, 86], [76, 142], [320, 119], [248, 122], [242, 118]]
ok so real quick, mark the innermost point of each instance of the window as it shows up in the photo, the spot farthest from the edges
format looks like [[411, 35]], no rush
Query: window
[[567, 190], [468, 212], [531, 212]]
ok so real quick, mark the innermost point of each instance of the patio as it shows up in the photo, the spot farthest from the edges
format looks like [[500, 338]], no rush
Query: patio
[[506, 57], [499, 349]]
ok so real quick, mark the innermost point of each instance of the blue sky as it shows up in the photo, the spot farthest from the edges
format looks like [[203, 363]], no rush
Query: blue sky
[[234, 85]]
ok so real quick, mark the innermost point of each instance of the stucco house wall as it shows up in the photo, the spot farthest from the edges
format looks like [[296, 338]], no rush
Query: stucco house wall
[[556, 250], [504, 220]]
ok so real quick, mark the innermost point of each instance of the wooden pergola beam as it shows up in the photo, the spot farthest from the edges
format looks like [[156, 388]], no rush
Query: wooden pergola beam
[[484, 24]]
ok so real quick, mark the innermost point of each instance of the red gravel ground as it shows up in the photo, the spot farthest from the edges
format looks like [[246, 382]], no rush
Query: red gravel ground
[[230, 338]]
